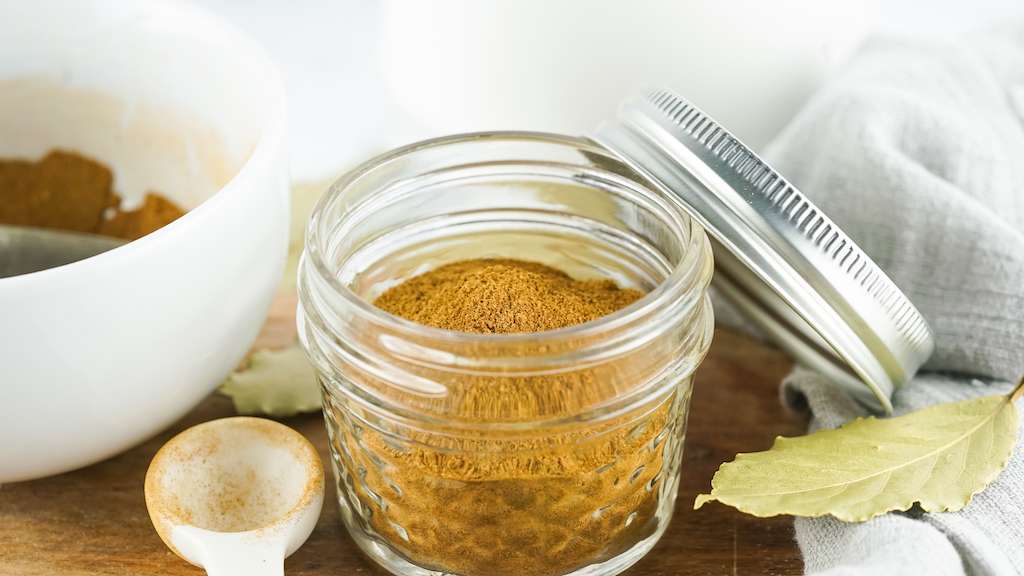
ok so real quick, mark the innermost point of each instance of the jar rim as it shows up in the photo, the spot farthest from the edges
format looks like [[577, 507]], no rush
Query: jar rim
[[684, 273]]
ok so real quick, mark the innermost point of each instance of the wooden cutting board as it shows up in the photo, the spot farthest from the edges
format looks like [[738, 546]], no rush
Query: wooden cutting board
[[94, 520]]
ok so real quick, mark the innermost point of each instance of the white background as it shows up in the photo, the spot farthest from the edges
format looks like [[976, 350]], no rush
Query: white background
[[366, 75]]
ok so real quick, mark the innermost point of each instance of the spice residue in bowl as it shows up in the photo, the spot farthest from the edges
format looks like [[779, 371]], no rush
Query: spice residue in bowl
[[67, 191]]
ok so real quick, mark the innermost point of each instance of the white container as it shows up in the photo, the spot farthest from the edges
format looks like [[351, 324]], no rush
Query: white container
[[98, 355], [465, 65]]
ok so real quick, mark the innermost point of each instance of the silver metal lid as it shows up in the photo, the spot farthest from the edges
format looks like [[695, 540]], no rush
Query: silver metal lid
[[783, 262]]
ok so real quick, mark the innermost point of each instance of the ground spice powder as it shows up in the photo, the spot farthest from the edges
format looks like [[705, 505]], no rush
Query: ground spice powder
[[70, 192], [495, 505], [503, 296]]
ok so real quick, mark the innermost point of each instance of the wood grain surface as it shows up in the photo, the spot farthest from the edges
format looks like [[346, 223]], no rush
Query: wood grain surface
[[94, 520]]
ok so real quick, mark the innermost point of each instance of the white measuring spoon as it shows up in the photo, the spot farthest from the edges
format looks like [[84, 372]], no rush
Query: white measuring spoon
[[236, 496]]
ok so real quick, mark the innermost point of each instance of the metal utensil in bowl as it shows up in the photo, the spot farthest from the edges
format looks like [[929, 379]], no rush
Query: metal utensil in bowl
[[24, 250]]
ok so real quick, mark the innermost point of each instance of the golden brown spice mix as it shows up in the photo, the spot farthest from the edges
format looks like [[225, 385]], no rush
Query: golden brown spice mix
[[70, 192], [544, 504]]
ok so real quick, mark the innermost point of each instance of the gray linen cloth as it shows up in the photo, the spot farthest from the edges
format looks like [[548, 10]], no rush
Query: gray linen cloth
[[916, 150]]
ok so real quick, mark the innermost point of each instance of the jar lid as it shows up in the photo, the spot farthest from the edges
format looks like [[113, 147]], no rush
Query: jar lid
[[779, 259]]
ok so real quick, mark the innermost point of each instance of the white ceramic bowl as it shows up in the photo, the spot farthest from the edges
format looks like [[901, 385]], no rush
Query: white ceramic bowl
[[97, 355]]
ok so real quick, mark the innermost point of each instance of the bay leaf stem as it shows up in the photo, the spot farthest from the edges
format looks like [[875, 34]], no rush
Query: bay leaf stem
[[1018, 391]]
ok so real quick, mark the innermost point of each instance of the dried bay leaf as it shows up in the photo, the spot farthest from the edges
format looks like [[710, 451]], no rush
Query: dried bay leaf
[[278, 383], [939, 457]]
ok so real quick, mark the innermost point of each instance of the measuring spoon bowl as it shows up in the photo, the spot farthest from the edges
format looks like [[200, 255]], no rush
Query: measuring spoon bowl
[[235, 496]]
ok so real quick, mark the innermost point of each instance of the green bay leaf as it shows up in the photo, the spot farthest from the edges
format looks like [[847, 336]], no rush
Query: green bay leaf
[[939, 457], [277, 383]]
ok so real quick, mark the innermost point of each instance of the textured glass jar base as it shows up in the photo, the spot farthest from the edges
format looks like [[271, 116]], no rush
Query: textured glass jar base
[[395, 563], [415, 517], [593, 521]]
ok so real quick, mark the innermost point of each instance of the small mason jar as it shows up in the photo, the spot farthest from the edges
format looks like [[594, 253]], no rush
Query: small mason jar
[[546, 453]]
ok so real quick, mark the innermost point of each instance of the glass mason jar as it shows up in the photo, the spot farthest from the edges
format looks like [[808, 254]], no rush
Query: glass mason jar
[[545, 453]]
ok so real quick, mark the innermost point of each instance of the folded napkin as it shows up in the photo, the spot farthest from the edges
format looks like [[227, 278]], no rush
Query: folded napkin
[[917, 151]]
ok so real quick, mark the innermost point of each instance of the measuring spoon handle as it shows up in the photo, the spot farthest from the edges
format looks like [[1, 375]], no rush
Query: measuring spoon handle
[[245, 561], [252, 553]]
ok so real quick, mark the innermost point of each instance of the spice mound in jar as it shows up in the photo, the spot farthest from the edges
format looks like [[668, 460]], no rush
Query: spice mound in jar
[[545, 504]]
